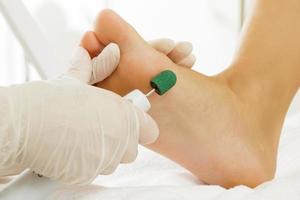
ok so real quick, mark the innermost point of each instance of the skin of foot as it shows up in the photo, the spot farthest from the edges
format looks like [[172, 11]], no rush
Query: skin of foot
[[224, 129]]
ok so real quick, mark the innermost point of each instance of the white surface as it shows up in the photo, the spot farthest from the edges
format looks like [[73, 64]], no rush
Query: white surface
[[26, 186], [154, 177], [32, 39]]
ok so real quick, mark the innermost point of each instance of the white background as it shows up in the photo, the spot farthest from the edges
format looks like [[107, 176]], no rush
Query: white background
[[211, 25]]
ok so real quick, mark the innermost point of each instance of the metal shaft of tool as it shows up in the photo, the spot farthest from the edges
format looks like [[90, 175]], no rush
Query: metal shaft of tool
[[150, 93]]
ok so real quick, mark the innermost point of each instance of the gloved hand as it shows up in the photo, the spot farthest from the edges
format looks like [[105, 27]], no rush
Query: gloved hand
[[67, 130], [180, 53], [13, 150]]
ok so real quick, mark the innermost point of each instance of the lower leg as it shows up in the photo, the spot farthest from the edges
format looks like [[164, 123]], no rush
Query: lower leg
[[267, 64]]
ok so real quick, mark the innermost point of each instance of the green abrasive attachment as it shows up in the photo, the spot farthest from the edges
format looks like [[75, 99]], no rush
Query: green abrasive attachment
[[163, 81]]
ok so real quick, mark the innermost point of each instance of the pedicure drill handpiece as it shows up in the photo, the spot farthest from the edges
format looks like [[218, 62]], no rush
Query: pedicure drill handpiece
[[34, 186], [161, 83]]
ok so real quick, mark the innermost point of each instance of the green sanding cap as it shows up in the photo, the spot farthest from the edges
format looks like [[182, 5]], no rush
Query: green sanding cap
[[163, 82]]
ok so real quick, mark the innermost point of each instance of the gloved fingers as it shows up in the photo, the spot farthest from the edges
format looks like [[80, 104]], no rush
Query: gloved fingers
[[91, 43], [163, 45], [188, 61], [131, 151], [148, 129], [112, 164], [81, 66], [143, 130], [109, 170], [180, 51], [130, 154], [11, 170], [105, 63]]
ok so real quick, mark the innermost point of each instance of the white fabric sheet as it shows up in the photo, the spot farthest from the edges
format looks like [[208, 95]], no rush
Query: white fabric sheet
[[155, 177]]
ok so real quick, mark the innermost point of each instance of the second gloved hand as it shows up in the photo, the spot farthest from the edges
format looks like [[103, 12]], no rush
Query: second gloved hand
[[70, 131]]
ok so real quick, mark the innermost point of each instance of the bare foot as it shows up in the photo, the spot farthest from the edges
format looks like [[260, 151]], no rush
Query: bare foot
[[216, 132]]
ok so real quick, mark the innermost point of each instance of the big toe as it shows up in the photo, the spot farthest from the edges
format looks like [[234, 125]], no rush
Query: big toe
[[110, 27], [90, 42]]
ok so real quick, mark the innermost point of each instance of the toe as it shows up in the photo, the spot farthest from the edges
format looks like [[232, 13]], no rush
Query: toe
[[110, 27], [90, 42], [181, 51]]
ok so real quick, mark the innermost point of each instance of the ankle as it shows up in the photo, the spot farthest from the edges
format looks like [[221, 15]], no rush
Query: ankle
[[266, 82], [265, 93]]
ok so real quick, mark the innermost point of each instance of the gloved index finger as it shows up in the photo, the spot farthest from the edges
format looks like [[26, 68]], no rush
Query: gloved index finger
[[81, 65]]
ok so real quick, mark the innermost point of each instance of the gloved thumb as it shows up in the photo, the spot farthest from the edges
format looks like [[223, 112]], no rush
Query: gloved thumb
[[81, 65], [149, 131], [97, 69], [105, 63]]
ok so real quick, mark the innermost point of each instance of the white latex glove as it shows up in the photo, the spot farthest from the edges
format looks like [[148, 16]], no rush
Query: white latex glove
[[97, 69], [180, 53], [67, 130]]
